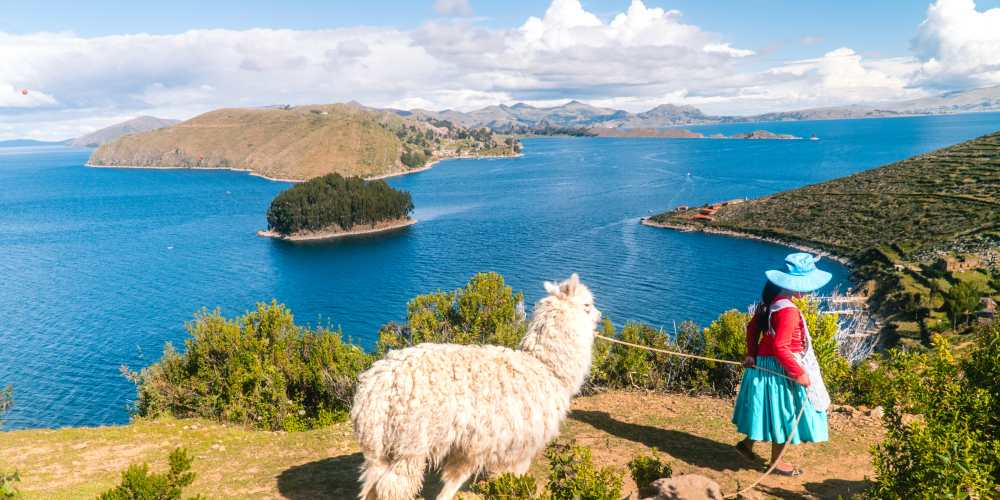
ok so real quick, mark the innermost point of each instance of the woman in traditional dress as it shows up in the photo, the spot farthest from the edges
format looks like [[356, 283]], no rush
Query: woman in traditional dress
[[778, 341]]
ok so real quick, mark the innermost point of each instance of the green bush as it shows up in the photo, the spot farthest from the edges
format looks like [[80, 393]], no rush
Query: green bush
[[629, 367], [7, 489], [599, 375], [942, 437], [507, 487], [648, 468], [961, 301], [486, 311], [139, 484], [333, 201], [632, 368], [573, 476], [725, 338], [259, 369], [413, 159]]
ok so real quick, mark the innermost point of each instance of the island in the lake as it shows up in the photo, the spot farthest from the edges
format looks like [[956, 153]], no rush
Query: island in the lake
[[680, 133], [333, 206], [922, 234], [297, 143]]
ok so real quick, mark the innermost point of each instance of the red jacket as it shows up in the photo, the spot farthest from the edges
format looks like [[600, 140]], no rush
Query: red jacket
[[787, 339]]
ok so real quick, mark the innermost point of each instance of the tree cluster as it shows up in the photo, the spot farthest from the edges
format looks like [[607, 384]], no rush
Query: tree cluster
[[333, 201]]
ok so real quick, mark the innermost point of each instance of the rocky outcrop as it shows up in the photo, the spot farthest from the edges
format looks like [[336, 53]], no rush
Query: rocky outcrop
[[686, 487]]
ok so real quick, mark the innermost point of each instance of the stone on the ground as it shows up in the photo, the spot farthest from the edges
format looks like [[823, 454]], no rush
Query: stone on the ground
[[686, 487]]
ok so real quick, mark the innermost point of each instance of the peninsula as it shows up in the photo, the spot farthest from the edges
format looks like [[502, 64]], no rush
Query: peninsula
[[332, 206], [913, 230], [302, 142]]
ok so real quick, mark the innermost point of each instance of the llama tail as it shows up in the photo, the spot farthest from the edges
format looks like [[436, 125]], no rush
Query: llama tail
[[400, 479]]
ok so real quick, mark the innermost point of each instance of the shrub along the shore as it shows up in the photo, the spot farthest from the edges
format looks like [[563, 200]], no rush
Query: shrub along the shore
[[260, 369], [485, 311], [332, 202], [942, 416], [138, 483]]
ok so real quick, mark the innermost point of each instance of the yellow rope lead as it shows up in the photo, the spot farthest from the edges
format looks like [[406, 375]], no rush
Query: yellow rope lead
[[795, 423]]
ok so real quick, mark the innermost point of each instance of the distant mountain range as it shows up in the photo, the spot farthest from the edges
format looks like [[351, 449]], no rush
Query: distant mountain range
[[22, 143], [99, 137], [525, 118], [576, 116], [133, 126]]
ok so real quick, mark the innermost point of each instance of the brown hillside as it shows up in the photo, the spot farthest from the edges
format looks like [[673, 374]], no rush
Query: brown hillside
[[284, 143]]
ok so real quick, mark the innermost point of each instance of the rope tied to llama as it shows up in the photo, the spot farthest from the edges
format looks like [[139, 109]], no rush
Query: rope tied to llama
[[795, 423]]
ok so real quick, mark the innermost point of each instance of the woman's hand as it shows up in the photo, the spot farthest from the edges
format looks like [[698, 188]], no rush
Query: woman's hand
[[803, 379], [749, 362]]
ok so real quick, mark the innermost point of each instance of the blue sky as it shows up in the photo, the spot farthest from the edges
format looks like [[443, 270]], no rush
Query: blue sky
[[87, 64]]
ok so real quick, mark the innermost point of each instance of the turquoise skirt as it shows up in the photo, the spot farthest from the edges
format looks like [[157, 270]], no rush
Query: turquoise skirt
[[767, 406]]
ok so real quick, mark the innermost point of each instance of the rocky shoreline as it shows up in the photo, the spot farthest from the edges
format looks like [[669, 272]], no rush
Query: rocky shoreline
[[336, 234], [426, 167], [431, 164], [230, 169], [737, 234]]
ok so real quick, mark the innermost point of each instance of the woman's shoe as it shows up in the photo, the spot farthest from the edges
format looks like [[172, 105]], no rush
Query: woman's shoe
[[747, 452]]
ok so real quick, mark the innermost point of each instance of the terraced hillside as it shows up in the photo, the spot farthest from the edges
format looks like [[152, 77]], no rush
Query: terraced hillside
[[935, 201], [300, 143], [917, 227]]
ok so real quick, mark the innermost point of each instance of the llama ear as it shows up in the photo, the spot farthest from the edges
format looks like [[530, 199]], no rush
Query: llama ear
[[551, 288], [569, 286]]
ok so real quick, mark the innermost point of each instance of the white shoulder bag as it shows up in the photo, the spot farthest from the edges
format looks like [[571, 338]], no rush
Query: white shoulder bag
[[817, 393]]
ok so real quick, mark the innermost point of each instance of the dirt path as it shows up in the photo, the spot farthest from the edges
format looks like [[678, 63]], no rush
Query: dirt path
[[231, 462]]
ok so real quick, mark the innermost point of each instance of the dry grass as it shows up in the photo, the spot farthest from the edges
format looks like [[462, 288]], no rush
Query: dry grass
[[693, 433], [298, 143]]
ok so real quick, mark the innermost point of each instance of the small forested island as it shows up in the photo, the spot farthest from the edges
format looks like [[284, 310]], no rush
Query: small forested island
[[922, 234], [333, 206]]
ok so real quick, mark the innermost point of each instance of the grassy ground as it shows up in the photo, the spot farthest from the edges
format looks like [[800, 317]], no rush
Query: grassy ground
[[693, 433]]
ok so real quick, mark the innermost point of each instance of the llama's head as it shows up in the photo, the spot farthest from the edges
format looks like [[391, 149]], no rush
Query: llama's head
[[574, 297], [561, 332]]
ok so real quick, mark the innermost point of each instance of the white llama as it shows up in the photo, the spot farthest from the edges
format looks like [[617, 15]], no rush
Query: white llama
[[469, 409]]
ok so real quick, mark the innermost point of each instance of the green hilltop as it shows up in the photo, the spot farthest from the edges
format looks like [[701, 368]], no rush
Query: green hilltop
[[914, 229]]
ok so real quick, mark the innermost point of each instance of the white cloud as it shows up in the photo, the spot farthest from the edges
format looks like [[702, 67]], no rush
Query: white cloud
[[459, 8], [13, 97], [958, 45], [636, 59]]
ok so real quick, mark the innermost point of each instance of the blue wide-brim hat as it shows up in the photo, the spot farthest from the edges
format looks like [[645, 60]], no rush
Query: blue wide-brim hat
[[802, 275]]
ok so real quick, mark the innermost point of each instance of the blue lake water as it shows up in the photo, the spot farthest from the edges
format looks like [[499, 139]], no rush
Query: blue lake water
[[99, 267]]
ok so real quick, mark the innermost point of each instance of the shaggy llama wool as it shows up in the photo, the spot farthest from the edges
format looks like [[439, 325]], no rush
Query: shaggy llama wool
[[473, 409]]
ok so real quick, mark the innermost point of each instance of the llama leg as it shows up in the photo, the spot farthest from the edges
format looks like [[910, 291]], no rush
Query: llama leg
[[400, 479], [454, 473]]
